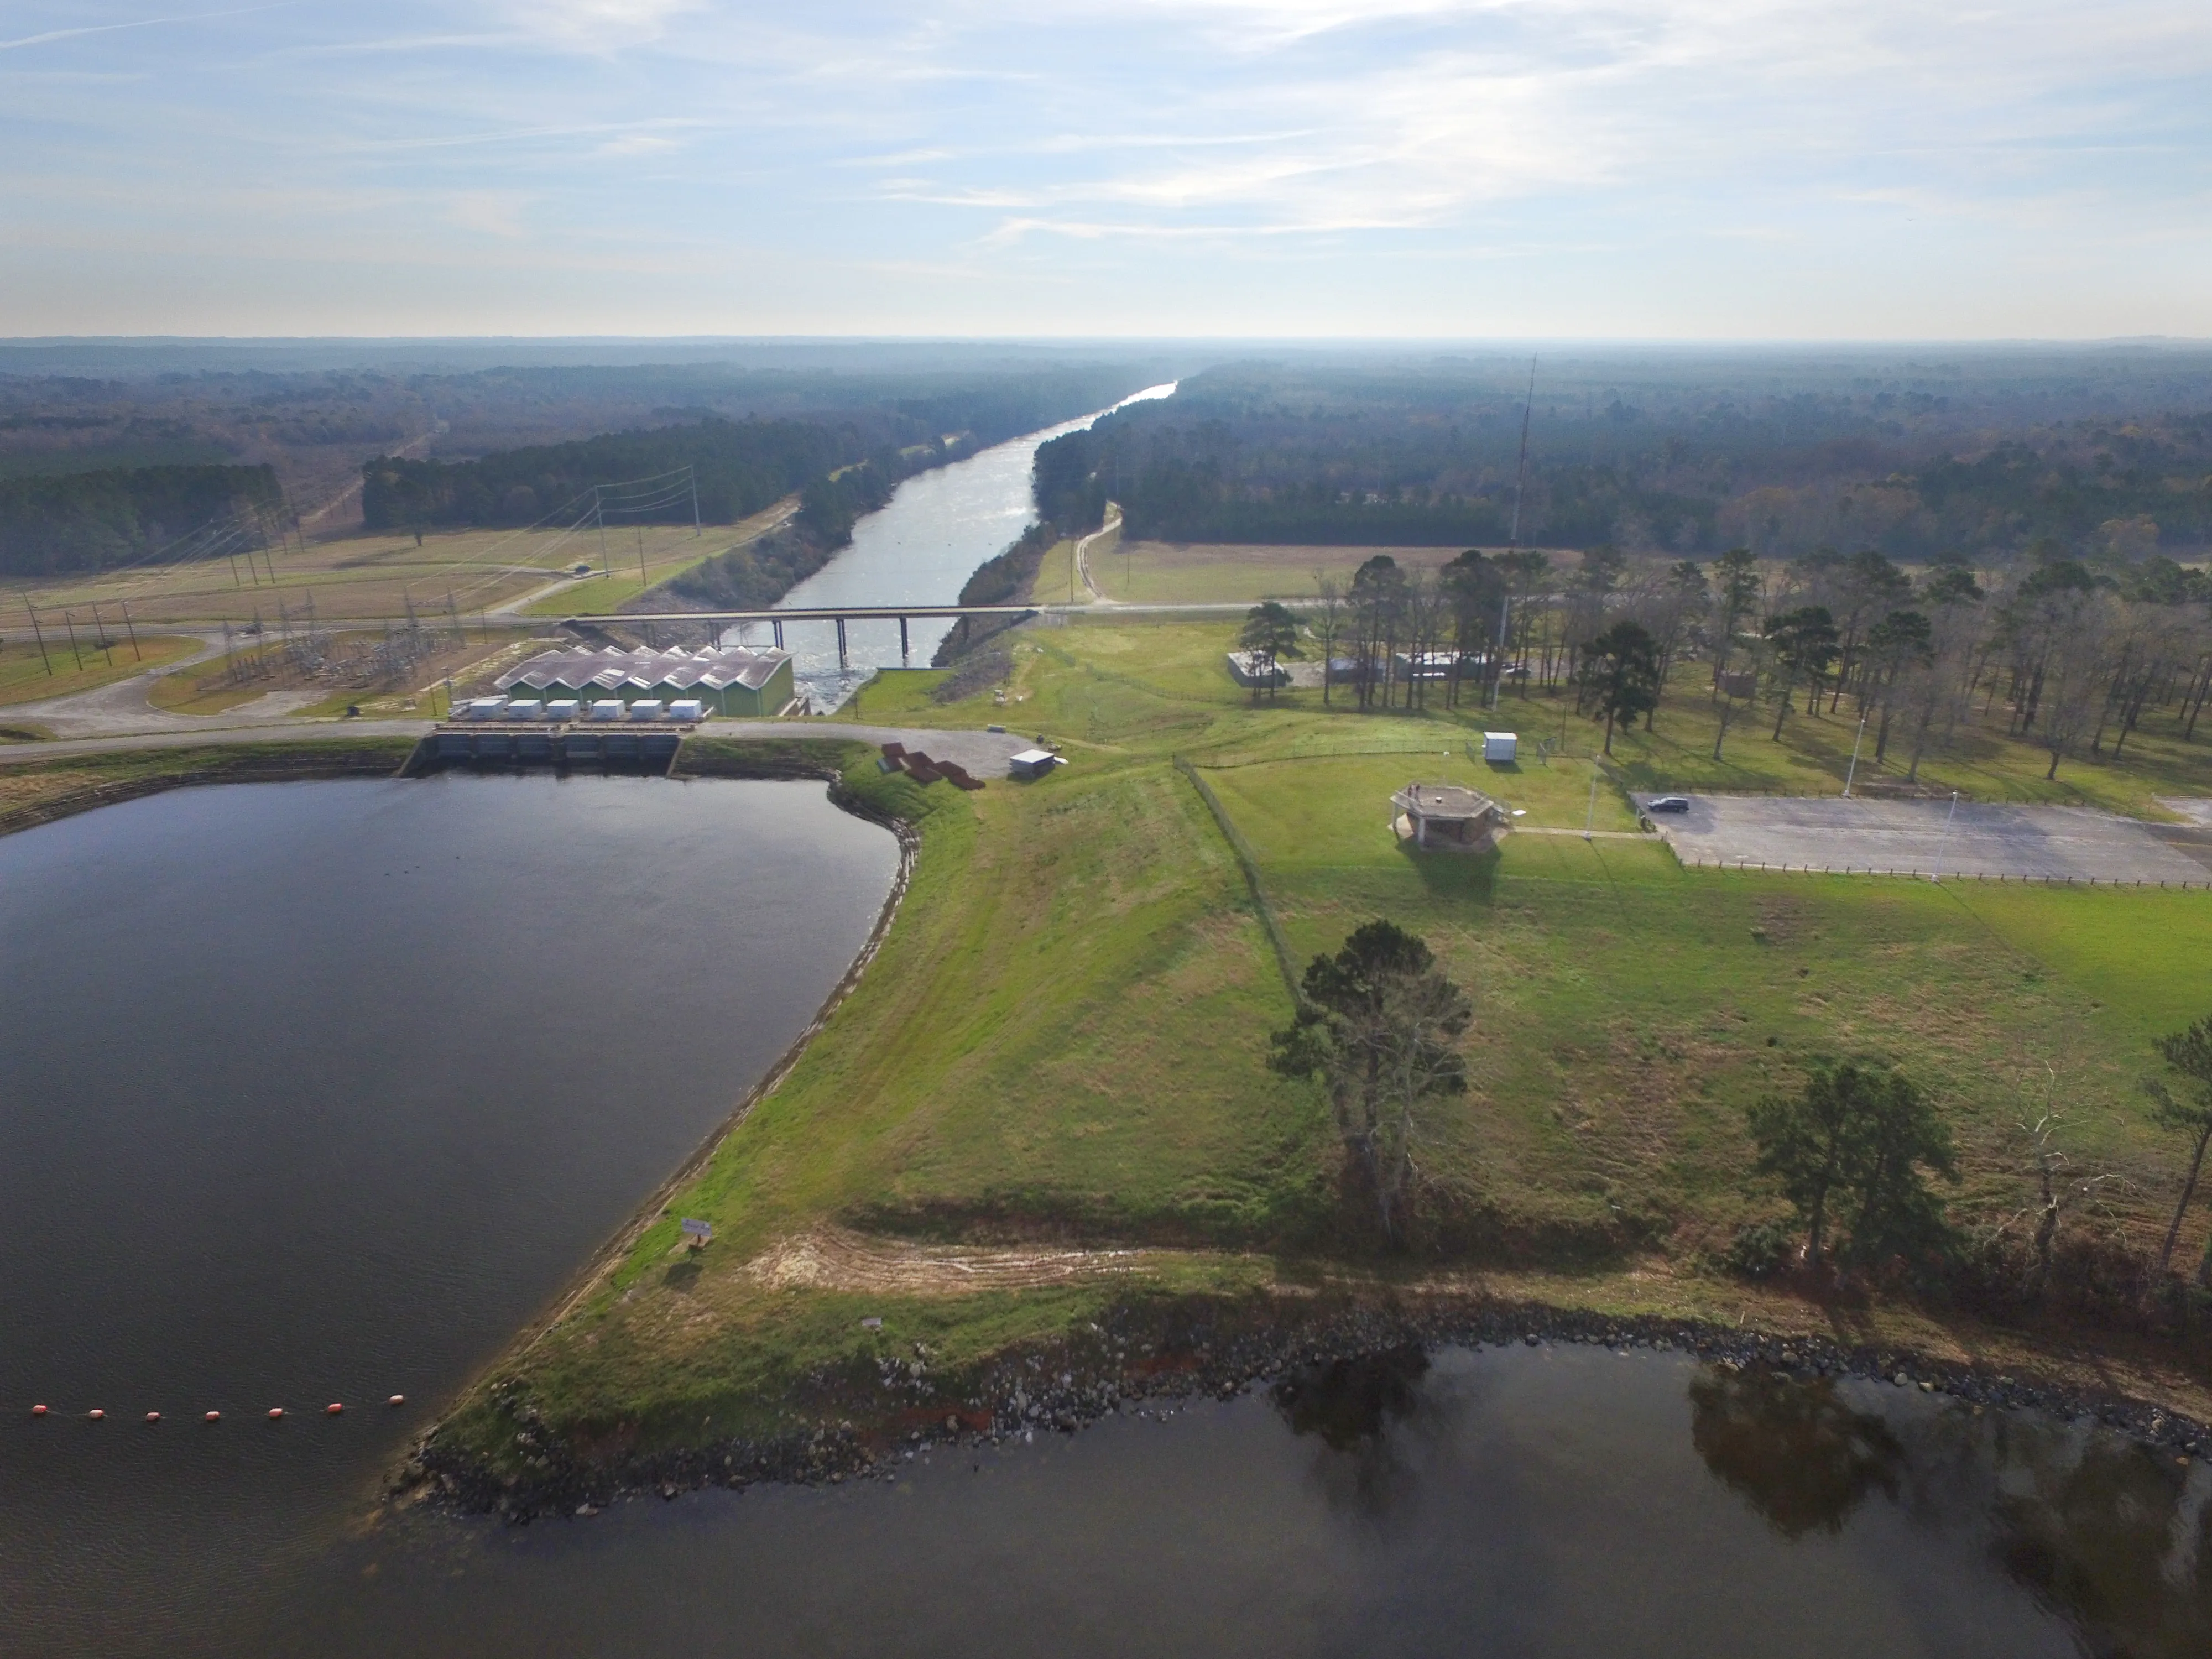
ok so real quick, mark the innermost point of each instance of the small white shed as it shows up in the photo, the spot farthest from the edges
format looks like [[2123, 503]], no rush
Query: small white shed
[[1500, 745], [486, 709], [645, 708], [1032, 763], [607, 708]]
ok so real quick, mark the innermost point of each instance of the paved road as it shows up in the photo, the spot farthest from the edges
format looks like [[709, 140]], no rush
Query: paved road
[[1909, 837]]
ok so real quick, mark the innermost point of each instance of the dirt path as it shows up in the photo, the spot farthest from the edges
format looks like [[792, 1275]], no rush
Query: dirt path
[[1112, 526], [833, 1258]]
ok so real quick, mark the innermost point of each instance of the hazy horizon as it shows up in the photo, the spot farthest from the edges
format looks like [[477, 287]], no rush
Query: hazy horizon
[[1415, 171]]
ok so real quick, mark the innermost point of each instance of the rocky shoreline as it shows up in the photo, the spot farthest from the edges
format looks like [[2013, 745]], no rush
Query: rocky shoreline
[[1150, 1361]]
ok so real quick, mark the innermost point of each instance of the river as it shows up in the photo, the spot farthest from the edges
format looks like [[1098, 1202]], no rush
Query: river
[[939, 527]]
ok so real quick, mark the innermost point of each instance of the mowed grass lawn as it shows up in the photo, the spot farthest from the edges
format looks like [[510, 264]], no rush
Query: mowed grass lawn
[[1065, 1035], [1629, 1011], [1983, 760], [25, 676]]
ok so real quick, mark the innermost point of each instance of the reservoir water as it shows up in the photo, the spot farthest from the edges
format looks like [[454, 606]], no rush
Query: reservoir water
[[1562, 1501], [939, 527], [316, 1092]]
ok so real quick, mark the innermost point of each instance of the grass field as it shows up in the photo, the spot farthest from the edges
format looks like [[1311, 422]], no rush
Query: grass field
[[1063, 1038], [1983, 760], [24, 672], [893, 697], [365, 574], [1177, 572]]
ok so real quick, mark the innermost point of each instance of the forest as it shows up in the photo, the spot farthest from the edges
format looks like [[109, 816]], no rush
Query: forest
[[51, 523], [1983, 454], [97, 436]]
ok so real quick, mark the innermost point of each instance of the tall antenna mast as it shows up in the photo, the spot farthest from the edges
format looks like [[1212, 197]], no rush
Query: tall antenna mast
[[1521, 475]]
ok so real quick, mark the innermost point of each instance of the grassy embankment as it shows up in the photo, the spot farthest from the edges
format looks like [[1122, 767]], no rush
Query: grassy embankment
[[24, 677], [1063, 1039], [37, 790]]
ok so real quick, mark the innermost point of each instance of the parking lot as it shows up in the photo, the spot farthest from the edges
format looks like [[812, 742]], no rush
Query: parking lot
[[2057, 843]]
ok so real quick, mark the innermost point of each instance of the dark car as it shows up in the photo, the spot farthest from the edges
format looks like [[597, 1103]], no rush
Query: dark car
[[1667, 804]]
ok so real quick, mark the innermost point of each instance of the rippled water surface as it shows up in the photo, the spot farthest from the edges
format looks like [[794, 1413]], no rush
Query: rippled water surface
[[315, 1092]]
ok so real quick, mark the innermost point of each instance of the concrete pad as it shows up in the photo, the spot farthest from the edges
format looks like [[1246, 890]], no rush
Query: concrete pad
[[2057, 843]]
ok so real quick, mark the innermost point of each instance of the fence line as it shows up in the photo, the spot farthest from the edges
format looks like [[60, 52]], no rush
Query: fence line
[[1249, 863], [2002, 876]]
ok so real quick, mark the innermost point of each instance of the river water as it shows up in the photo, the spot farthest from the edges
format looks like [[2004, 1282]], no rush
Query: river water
[[316, 1092], [939, 527]]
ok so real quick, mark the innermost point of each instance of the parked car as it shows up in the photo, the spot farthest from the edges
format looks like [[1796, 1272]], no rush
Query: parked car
[[1667, 804]]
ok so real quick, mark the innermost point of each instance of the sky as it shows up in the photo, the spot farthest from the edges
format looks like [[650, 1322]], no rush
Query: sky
[[1586, 169]]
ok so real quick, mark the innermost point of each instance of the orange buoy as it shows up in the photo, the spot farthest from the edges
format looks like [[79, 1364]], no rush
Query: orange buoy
[[153, 1417], [38, 1410], [96, 1413], [333, 1408], [397, 1399], [275, 1412], [214, 1417]]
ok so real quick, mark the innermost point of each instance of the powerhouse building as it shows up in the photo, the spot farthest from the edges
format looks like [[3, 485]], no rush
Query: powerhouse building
[[735, 680]]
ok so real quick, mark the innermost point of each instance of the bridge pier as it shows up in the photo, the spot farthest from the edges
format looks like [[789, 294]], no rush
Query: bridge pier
[[779, 633], [842, 664], [903, 654]]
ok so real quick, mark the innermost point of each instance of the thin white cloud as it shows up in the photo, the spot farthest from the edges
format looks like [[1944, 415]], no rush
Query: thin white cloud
[[51, 36]]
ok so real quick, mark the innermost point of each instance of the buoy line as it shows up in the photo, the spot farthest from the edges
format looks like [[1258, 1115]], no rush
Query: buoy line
[[336, 1408]]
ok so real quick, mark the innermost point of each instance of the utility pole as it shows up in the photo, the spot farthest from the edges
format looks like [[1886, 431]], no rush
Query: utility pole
[[70, 622], [1521, 473], [99, 635], [136, 656], [1496, 655], [599, 513], [694, 472], [1945, 837], [1854, 771], [1590, 822], [39, 635]]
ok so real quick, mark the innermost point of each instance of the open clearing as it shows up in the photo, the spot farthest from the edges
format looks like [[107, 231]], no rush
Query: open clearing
[[1913, 837], [380, 574], [24, 676], [1179, 573]]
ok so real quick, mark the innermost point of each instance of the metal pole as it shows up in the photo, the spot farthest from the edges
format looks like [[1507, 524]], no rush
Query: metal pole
[[695, 530], [1521, 474], [1854, 770], [70, 622], [1937, 874], [39, 635], [135, 652], [100, 634], [1497, 655], [1590, 822]]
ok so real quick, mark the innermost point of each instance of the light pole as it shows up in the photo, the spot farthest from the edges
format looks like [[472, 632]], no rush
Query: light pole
[[1941, 840], [1854, 772], [1590, 822]]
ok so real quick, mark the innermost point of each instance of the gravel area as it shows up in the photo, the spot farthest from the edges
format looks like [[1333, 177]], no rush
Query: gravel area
[[2041, 843]]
